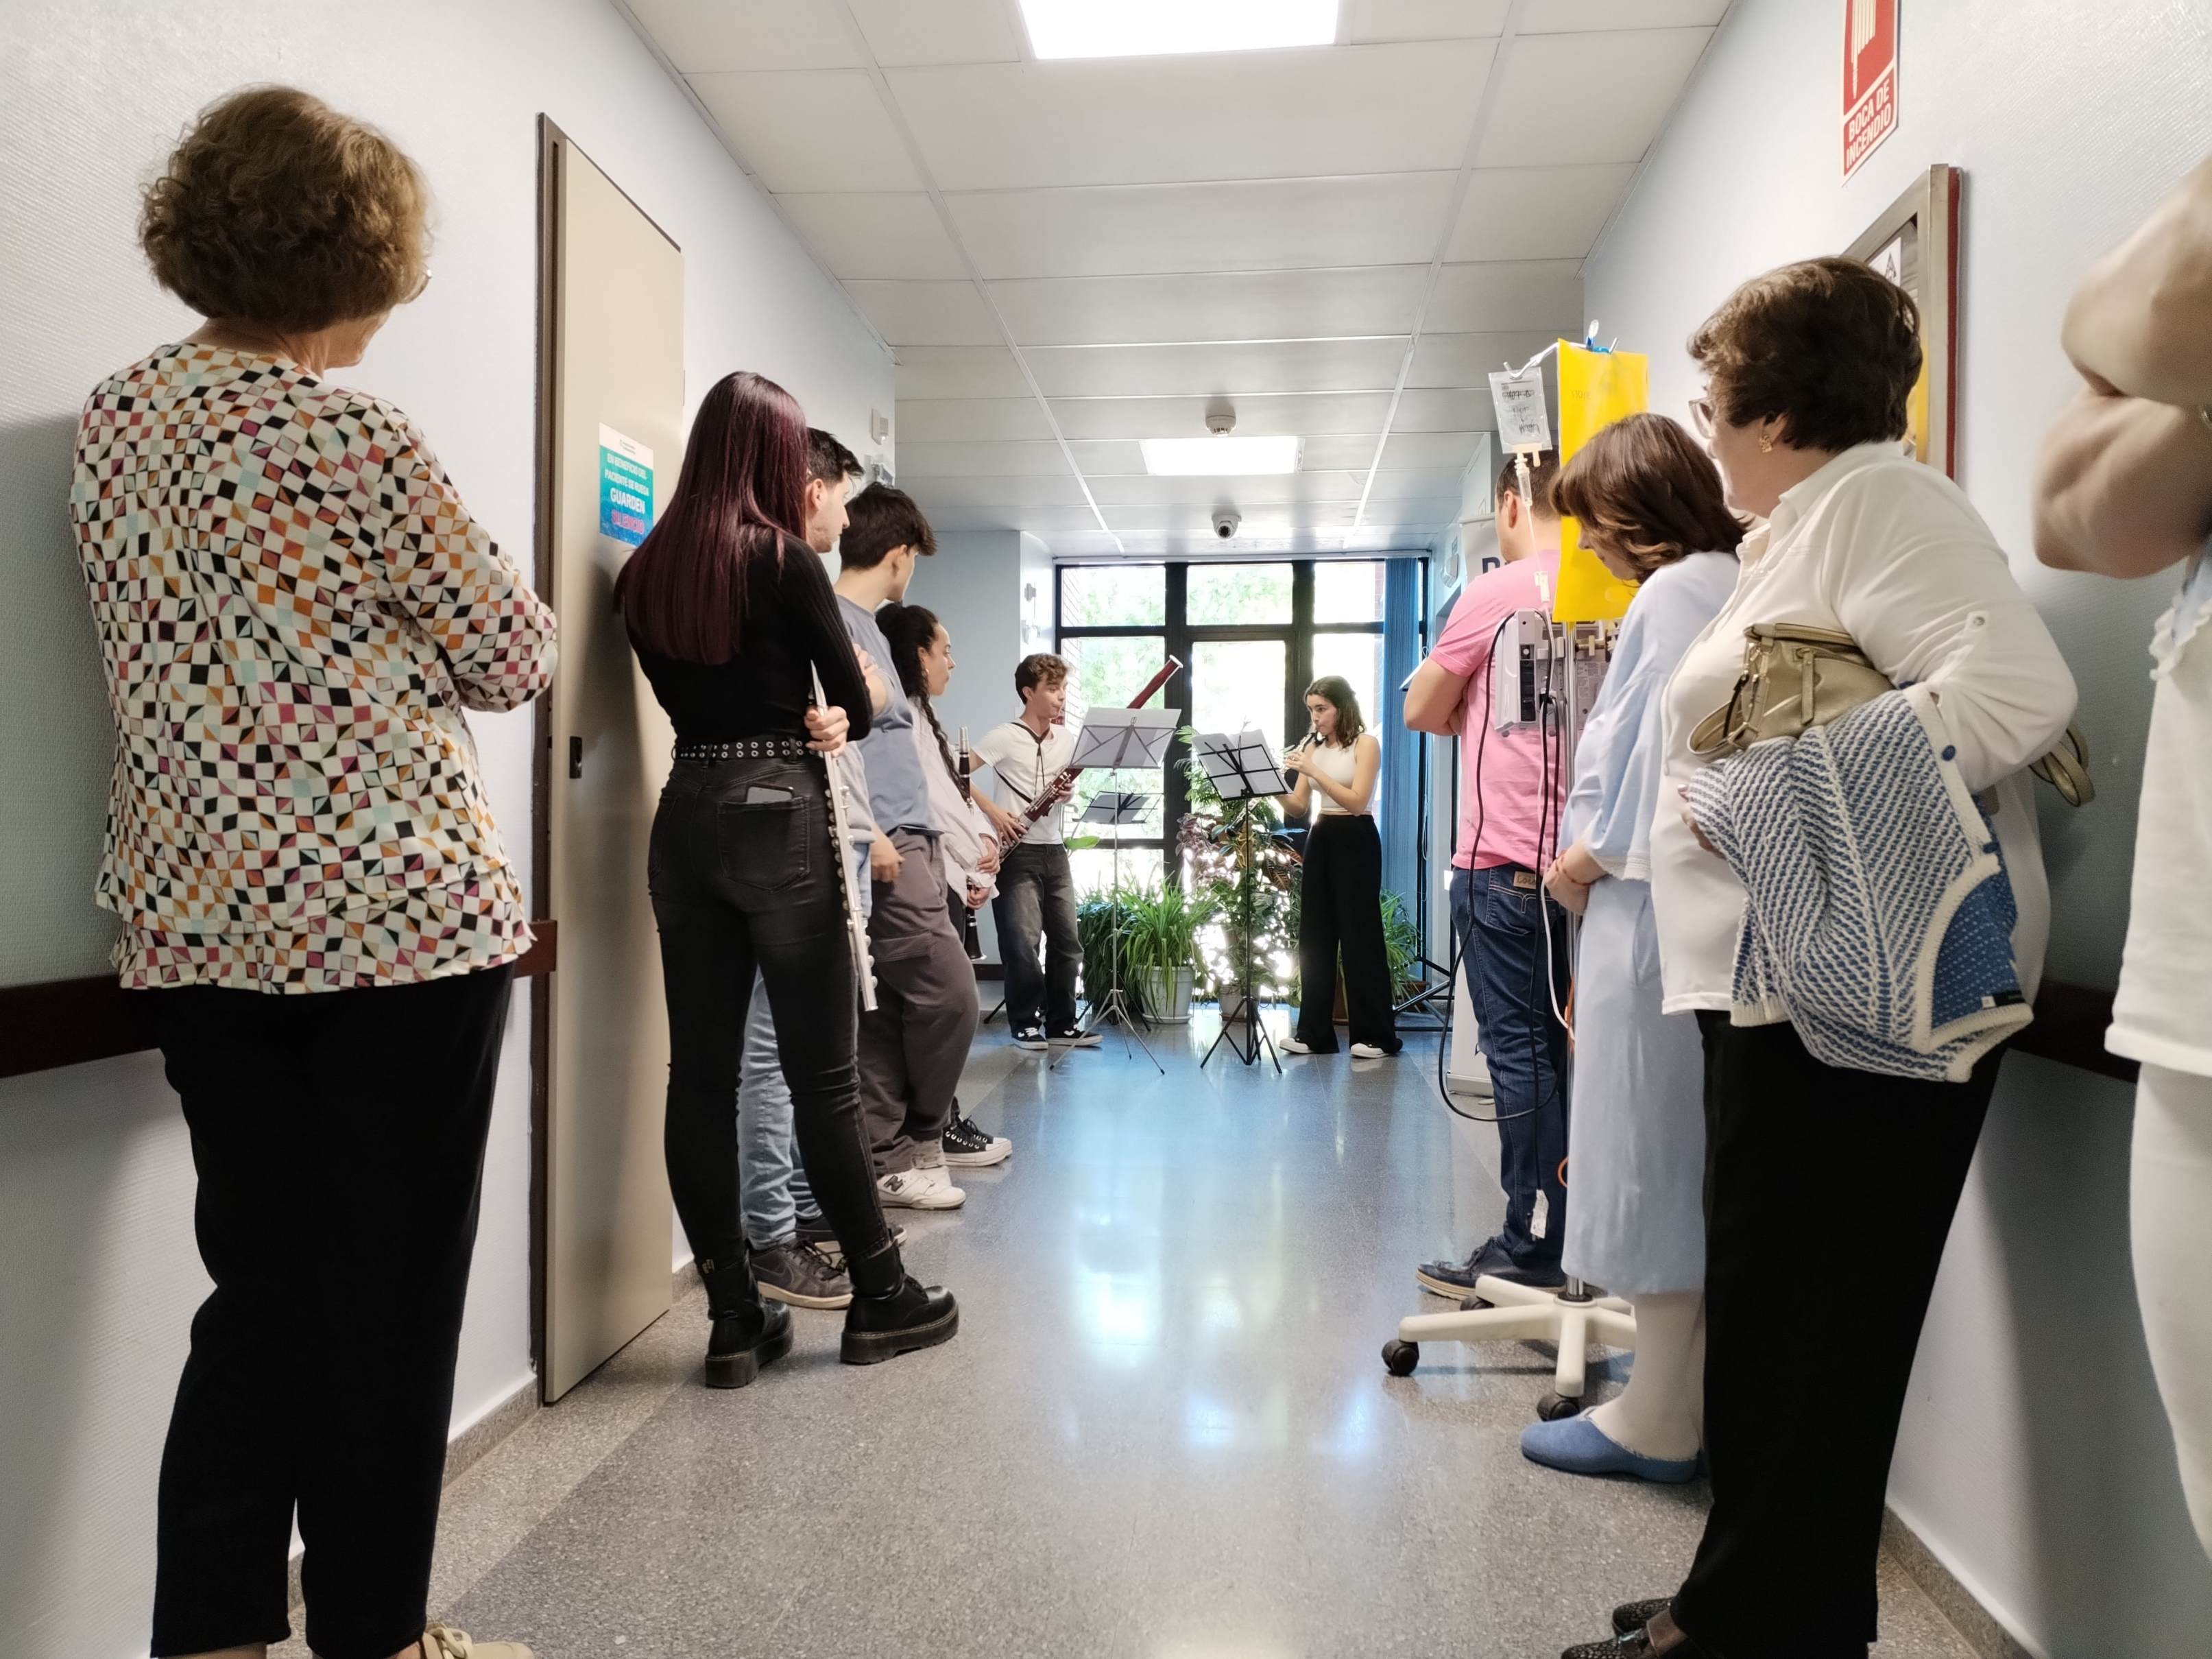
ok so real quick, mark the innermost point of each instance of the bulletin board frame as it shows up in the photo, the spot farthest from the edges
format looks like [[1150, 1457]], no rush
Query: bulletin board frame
[[1915, 243]]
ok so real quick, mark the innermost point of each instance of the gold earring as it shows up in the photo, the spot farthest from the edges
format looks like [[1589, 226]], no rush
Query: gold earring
[[1766, 444]]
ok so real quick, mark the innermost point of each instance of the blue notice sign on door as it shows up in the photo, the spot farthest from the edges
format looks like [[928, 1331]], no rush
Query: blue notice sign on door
[[625, 488]]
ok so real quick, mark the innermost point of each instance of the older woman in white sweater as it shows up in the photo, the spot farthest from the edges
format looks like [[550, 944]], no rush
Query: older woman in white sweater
[[1821, 1179]]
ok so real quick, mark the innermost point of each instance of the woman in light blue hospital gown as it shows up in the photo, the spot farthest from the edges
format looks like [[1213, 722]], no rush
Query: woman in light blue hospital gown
[[1648, 502]]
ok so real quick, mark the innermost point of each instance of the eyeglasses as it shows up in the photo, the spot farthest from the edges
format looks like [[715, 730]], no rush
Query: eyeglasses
[[1701, 416], [420, 288]]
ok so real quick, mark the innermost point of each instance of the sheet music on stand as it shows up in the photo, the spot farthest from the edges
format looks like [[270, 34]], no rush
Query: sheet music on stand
[[1117, 739], [1119, 809], [1241, 767]]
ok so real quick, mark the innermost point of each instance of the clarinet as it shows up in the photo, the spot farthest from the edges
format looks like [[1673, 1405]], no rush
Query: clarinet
[[970, 936], [840, 854]]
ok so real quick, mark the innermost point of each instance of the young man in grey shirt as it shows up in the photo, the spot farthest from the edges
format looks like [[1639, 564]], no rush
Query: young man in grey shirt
[[914, 1044]]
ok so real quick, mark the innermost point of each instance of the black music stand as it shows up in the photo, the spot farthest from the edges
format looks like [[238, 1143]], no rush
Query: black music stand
[[1243, 769], [1116, 810]]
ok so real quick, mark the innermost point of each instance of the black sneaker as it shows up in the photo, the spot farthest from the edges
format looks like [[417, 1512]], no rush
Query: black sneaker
[[1030, 1036], [1074, 1036], [815, 1230], [967, 1148], [1456, 1279], [803, 1275]]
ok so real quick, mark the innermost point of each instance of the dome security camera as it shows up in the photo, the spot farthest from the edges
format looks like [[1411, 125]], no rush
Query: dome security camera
[[1226, 520]]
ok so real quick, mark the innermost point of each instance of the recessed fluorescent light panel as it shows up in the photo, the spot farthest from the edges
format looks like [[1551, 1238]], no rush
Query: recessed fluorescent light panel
[[1214, 458], [1153, 28]]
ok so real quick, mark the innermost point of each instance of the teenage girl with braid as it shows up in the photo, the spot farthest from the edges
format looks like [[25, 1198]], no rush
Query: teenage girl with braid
[[921, 654]]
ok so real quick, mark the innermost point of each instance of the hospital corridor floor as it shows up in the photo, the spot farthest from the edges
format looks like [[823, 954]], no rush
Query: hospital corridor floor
[[1164, 1431]]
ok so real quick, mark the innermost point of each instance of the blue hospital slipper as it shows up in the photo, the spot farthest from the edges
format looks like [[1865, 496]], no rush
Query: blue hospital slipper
[[1580, 1447]]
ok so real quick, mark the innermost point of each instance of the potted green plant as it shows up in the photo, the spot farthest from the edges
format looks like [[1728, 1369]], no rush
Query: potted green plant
[[1160, 948]]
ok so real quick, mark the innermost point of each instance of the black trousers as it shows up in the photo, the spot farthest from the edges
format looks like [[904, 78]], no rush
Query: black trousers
[[745, 877], [1815, 1177], [1340, 908], [339, 1141]]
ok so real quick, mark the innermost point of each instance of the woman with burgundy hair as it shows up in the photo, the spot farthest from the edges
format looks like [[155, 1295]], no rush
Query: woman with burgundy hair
[[732, 615]]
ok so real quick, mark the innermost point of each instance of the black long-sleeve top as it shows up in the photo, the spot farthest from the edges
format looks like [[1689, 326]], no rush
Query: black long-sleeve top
[[791, 621]]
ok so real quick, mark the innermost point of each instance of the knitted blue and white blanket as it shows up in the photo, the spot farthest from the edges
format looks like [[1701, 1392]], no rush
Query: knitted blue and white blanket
[[1881, 916]]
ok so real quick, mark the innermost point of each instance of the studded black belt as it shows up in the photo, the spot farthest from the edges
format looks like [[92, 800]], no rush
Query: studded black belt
[[714, 754]]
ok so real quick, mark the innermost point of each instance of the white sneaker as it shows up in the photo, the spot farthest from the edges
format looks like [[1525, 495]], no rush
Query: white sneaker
[[1291, 1045], [920, 1189], [1369, 1051]]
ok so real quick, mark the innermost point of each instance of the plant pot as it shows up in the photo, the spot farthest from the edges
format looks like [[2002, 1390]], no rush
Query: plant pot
[[1166, 994]]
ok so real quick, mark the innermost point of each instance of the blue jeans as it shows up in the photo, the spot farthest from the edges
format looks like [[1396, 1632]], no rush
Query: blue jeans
[[772, 1187], [1501, 920]]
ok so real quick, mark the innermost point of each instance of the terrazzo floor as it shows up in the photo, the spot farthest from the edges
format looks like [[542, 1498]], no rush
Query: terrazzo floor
[[1164, 1431]]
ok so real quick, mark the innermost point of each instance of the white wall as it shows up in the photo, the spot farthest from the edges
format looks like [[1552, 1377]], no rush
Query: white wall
[[2034, 1458], [975, 587], [95, 1179]]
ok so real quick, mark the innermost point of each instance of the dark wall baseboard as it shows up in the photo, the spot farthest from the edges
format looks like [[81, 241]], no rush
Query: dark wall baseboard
[[69, 1022]]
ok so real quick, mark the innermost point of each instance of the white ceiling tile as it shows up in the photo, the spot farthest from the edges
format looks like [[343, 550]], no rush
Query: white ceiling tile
[[1295, 113], [701, 36], [1455, 410], [1425, 451], [958, 372], [881, 234], [1216, 370], [926, 314], [1642, 72], [907, 32], [1468, 360], [928, 420], [1195, 516], [1536, 213], [813, 129], [1102, 457], [1265, 305], [982, 460], [1425, 486], [1038, 520], [1295, 416], [1389, 219], [1365, 20], [1271, 489], [1390, 529], [1010, 490], [1352, 450], [1561, 16], [1506, 296]]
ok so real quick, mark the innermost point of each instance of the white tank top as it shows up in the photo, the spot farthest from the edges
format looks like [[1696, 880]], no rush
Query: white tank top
[[1339, 766]]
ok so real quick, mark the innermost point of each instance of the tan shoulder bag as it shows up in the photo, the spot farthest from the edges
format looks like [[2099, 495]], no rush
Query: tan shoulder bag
[[1795, 676]]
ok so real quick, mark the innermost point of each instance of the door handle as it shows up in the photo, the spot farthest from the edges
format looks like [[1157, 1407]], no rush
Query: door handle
[[575, 758]]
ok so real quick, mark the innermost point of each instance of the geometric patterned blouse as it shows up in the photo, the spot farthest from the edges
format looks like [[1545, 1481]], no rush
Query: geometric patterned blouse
[[293, 607]]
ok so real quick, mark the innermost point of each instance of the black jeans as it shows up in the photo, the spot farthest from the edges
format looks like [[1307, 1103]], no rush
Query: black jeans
[[339, 1141], [745, 877], [1512, 972], [1340, 908], [1037, 895], [1814, 1176]]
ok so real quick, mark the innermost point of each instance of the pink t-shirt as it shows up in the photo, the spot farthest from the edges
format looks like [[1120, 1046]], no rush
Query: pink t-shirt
[[1516, 826]]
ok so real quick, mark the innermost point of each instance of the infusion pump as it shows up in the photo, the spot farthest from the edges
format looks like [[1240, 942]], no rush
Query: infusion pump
[[1539, 663]]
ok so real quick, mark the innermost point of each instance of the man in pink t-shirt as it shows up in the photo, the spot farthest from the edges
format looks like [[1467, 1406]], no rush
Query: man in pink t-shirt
[[1512, 944]]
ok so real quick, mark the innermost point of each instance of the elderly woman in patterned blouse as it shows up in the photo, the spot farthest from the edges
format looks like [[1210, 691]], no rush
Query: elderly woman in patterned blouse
[[293, 607]]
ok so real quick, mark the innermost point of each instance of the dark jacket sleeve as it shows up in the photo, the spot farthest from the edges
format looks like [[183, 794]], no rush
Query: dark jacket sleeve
[[819, 634]]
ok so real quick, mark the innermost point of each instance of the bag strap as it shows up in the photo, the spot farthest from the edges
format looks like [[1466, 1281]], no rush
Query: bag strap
[[2066, 768]]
